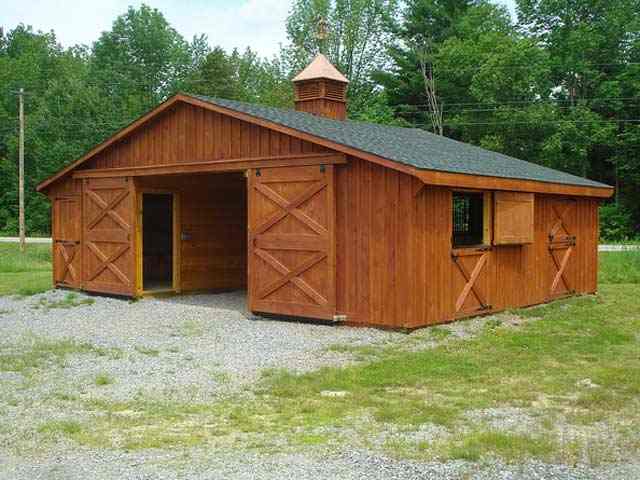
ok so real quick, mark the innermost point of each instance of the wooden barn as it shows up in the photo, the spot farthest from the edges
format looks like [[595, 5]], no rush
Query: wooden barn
[[319, 217]]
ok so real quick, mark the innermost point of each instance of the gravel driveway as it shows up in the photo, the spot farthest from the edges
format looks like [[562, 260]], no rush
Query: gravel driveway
[[203, 345], [199, 348]]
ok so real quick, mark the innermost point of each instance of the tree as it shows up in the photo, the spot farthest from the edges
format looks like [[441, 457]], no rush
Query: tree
[[141, 61], [60, 111], [594, 48], [244, 77], [411, 80]]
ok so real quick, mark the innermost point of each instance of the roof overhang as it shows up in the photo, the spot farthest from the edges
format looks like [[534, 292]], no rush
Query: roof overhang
[[429, 177]]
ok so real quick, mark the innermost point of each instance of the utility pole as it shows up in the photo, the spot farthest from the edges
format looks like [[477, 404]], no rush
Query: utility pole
[[21, 173]]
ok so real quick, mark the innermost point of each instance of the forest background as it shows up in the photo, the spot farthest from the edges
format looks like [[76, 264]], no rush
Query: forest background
[[557, 84]]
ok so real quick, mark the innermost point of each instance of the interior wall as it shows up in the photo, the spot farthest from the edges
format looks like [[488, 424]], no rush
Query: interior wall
[[213, 226]]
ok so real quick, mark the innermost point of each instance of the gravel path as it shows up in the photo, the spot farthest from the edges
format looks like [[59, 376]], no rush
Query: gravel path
[[199, 348], [78, 465], [208, 342]]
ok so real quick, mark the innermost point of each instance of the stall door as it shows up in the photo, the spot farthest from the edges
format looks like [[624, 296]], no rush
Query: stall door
[[561, 216], [66, 242], [108, 228], [292, 241]]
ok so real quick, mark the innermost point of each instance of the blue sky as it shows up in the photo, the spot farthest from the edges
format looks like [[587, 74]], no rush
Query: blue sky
[[229, 23]]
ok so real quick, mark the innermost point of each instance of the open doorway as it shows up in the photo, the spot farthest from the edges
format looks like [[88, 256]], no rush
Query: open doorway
[[157, 241]]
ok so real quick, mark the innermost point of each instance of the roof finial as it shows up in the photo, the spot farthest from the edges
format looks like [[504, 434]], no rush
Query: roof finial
[[322, 33]]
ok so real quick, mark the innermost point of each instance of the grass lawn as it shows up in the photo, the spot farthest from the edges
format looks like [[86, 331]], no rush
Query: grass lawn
[[619, 267], [26, 274]]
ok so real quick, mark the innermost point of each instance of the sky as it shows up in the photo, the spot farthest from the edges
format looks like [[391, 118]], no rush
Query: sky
[[228, 23]]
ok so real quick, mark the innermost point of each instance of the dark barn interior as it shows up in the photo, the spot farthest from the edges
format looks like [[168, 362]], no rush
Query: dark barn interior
[[157, 241]]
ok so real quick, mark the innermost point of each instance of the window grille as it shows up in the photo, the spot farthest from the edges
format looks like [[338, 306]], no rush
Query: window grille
[[468, 218]]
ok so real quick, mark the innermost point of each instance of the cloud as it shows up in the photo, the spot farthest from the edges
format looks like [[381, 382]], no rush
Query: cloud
[[259, 24]]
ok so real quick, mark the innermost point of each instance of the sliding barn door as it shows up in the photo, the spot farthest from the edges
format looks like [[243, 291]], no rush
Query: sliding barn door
[[292, 241], [66, 241], [108, 229], [561, 217]]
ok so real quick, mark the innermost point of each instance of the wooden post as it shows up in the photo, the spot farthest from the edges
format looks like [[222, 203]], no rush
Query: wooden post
[[21, 173]]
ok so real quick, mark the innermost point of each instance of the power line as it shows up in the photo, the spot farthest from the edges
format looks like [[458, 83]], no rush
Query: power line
[[544, 122], [522, 102], [452, 113], [437, 69]]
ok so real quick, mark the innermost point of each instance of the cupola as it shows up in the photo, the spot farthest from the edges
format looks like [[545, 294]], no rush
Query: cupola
[[321, 89]]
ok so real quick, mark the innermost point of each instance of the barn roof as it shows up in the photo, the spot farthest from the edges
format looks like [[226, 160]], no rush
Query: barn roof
[[441, 160], [409, 146]]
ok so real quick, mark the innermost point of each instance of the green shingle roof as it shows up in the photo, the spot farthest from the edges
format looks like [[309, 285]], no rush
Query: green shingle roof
[[408, 146]]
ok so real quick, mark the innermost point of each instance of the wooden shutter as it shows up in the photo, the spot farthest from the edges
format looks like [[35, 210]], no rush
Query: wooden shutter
[[66, 241], [513, 218], [292, 241], [108, 230]]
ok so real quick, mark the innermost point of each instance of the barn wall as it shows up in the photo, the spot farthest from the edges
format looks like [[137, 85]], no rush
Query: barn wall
[[374, 243], [513, 276], [394, 262], [186, 134], [213, 212]]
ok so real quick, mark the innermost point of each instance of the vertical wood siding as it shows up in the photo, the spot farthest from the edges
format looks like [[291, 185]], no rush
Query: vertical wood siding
[[187, 134], [394, 253], [374, 244]]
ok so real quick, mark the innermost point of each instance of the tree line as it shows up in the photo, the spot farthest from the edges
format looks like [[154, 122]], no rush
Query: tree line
[[559, 85]]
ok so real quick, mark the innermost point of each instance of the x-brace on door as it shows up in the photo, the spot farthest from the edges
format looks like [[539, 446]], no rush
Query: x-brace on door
[[108, 233], [292, 241]]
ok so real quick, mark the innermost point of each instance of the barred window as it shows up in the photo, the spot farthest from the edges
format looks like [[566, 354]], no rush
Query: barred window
[[468, 218]]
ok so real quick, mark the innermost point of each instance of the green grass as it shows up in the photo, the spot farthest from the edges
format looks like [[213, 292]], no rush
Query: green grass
[[63, 427], [103, 379], [70, 300], [538, 365], [619, 267], [37, 353], [508, 446], [25, 283], [25, 274], [36, 258], [500, 364], [541, 362], [151, 352]]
